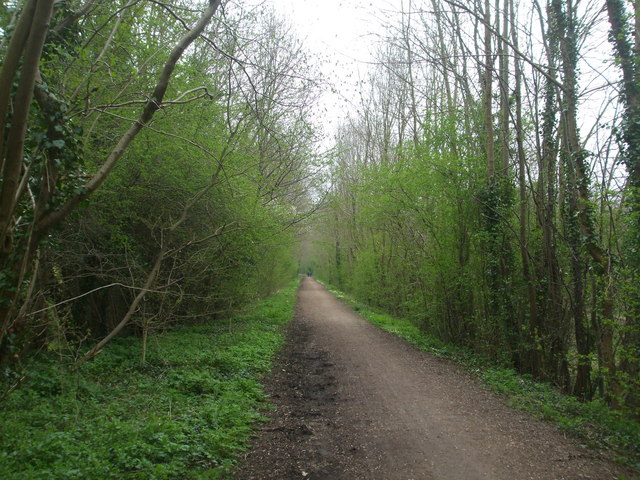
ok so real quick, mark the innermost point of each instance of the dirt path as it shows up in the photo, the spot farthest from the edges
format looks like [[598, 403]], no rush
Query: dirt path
[[353, 402]]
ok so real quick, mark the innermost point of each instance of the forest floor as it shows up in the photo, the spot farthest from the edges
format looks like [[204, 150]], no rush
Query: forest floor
[[354, 402]]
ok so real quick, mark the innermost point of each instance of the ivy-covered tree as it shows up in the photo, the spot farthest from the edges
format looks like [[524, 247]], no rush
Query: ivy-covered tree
[[166, 164]]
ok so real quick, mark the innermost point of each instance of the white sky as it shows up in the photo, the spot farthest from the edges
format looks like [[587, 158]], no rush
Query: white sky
[[341, 35]]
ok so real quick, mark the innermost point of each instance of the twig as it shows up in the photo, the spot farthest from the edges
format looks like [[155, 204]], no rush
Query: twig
[[90, 292]]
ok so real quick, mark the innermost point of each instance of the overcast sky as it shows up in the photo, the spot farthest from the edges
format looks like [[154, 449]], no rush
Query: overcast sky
[[341, 34]]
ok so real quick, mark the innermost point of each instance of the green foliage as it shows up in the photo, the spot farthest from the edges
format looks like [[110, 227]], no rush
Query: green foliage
[[186, 413], [203, 203], [213, 182], [407, 233], [593, 422]]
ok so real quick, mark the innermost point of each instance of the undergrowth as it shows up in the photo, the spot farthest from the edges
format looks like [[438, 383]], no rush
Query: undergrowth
[[186, 413], [592, 422]]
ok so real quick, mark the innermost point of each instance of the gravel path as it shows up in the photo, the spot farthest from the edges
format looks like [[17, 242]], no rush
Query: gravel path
[[353, 402]]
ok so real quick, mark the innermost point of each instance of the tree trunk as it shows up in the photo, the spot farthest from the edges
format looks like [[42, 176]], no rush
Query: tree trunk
[[576, 157], [533, 361], [487, 95], [627, 52], [26, 44]]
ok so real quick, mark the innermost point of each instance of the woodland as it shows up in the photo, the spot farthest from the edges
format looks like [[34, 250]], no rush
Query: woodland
[[162, 166], [487, 187], [155, 171]]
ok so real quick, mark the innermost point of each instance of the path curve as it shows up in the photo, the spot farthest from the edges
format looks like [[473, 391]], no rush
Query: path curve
[[354, 402]]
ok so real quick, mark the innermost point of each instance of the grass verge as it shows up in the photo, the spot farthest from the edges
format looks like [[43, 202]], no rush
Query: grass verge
[[592, 422], [186, 413]]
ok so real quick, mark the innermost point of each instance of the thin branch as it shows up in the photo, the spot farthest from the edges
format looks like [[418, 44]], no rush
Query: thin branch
[[151, 107], [177, 101], [523, 56], [69, 300]]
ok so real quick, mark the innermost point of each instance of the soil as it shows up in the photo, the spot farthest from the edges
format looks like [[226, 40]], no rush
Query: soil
[[354, 402]]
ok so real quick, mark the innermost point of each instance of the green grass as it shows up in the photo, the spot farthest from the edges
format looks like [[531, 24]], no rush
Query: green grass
[[592, 422], [187, 413]]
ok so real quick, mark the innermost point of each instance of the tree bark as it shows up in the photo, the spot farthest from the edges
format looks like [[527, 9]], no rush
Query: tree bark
[[13, 150], [576, 157], [533, 355], [487, 99], [625, 38], [627, 55], [29, 41]]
